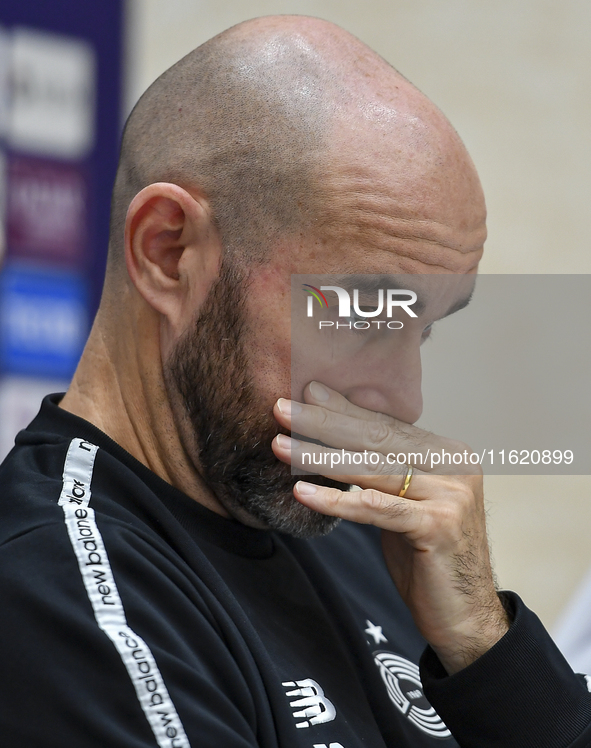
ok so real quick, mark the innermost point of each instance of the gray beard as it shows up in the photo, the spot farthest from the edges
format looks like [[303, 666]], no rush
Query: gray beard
[[221, 416]]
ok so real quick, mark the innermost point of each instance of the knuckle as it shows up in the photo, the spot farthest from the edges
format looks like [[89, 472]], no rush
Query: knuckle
[[333, 498], [324, 419], [455, 515], [464, 496], [447, 518], [376, 433], [456, 491], [454, 445], [371, 498], [475, 470], [374, 466], [384, 504]]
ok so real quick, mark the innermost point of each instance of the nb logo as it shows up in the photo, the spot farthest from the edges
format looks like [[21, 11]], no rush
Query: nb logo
[[310, 705], [330, 745]]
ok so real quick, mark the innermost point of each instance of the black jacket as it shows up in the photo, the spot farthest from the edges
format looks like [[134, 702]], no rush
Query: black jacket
[[131, 616]]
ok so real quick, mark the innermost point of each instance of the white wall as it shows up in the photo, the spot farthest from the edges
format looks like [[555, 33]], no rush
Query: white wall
[[514, 77]]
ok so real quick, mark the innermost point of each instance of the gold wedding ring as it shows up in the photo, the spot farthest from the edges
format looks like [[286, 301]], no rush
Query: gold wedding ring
[[407, 480]]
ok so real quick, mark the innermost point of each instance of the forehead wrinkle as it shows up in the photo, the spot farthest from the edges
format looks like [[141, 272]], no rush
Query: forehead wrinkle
[[414, 266], [425, 213], [367, 221], [450, 261], [429, 242], [407, 188], [361, 257]]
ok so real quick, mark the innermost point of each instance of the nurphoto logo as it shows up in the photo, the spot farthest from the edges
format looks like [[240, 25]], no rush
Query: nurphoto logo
[[388, 300]]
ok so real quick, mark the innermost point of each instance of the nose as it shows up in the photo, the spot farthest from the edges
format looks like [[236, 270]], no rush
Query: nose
[[388, 382]]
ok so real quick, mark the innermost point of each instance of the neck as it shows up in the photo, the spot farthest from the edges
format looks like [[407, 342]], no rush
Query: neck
[[116, 389]]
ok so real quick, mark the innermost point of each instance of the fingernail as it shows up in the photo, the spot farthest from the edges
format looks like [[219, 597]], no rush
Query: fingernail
[[288, 407], [306, 489], [286, 442], [319, 392]]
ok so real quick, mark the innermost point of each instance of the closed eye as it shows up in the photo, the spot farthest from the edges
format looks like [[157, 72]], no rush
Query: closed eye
[[427, 332]]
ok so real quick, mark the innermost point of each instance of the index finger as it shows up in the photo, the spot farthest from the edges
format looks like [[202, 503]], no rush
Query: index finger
[[316, 393]]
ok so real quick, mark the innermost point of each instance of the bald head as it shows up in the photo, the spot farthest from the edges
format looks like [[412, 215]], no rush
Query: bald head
[[255, 118]]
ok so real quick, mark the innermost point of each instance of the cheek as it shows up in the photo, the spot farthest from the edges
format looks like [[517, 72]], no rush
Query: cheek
[[269, 353], [268, 333]]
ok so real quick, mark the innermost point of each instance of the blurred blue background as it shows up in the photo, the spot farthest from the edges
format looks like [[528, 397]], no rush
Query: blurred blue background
[[60, 114]]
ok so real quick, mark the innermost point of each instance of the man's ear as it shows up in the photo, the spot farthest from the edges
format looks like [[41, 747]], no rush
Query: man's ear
[[172, 249]]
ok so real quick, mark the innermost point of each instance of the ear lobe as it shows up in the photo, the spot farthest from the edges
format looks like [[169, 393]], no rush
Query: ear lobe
[[168, 240]]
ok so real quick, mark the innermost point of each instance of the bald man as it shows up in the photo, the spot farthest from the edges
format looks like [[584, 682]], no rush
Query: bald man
[[166, 579]]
